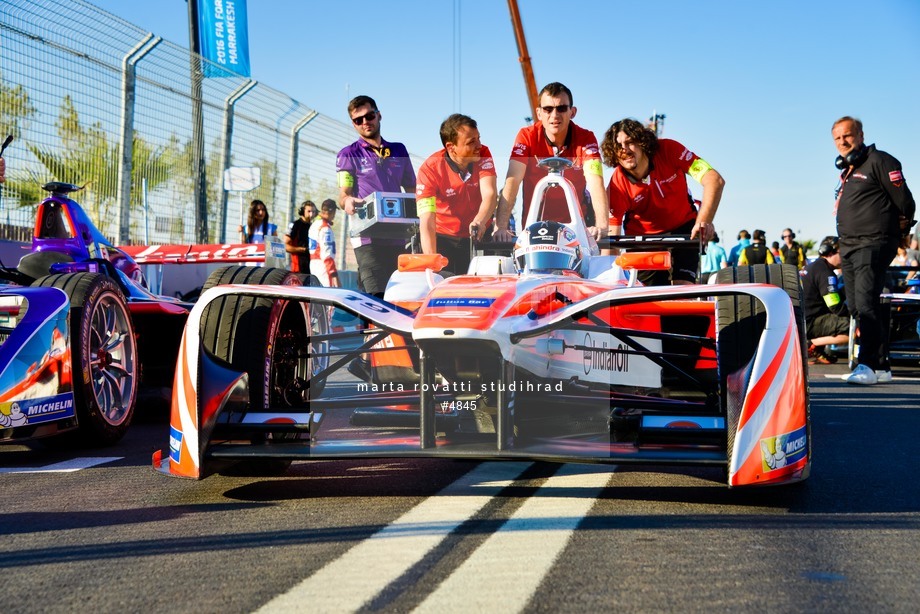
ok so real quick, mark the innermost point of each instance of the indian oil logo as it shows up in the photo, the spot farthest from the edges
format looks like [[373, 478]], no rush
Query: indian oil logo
[[604, 358]]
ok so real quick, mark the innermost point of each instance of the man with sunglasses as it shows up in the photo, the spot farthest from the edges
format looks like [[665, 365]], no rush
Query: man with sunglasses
[[554, 134], [372, 164], [791, 251], [649, 196]]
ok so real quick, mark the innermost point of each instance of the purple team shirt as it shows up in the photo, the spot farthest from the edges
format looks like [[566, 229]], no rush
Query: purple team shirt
[[387, 171], [375, 170]]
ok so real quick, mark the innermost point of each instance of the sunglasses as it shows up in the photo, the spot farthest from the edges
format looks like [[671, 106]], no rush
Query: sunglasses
[[787, 236], [560, 108], [367, 117]]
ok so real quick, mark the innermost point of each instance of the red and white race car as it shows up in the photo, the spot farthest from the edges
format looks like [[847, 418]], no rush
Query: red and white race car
[[551, 352]]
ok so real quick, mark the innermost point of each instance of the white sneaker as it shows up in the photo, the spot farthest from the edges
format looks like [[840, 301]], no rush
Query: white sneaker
[[862, 375], [883, 377]]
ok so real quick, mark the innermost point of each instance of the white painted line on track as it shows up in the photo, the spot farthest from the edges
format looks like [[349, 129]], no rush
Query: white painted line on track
[[505, 571], [356, 577], [68, 466]]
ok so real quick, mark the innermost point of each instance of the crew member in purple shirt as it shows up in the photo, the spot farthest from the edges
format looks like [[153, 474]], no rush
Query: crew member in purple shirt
[[372, 164]]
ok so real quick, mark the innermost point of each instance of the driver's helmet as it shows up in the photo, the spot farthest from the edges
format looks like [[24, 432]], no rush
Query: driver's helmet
[[547, 247]]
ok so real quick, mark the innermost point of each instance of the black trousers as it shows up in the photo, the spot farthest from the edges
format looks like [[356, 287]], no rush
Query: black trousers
[[376, 262], [457, 252], [864, 278]]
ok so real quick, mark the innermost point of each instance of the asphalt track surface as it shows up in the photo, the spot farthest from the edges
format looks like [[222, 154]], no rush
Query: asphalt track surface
[[99, 531]]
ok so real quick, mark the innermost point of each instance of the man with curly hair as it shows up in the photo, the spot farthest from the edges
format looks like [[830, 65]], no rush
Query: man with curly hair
[[648, 193]]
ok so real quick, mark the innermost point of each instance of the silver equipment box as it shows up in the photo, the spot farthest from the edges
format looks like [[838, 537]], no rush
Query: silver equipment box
[[384, 214]]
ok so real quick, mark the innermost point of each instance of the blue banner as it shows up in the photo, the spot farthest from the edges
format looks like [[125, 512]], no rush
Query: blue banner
[[223, 36]]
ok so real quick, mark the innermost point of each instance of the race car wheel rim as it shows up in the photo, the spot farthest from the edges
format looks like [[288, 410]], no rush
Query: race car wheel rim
[[112, 355], [319, 325]]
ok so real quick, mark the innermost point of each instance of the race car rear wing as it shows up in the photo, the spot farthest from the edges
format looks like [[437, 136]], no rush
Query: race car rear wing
[[193, 254], [643, 243], [651, 243]]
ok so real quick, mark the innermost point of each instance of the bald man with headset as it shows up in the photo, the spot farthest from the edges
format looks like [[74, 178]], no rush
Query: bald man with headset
[[875, 211]]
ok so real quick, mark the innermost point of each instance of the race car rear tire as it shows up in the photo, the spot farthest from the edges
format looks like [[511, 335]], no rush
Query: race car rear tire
[[739, 321], [104, 355]]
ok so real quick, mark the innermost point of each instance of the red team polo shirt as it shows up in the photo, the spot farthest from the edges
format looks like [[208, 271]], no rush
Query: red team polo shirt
[[457, 197], [531, 145], [660, 203]]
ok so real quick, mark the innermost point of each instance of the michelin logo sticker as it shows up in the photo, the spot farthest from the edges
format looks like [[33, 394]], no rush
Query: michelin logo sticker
[[36, 411], [784, 450]]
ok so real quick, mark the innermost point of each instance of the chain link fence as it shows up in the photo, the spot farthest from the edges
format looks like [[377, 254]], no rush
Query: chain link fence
[[92, 99]]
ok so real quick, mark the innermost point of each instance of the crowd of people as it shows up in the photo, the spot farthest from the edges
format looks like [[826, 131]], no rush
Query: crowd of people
[[458, 199]]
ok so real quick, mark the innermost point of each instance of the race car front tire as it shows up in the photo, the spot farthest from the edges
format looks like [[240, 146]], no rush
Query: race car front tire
[[237, 329], [104, 354], [740, 319]]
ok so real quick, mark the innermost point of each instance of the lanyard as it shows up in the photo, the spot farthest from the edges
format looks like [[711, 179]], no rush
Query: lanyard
[[839, 191]]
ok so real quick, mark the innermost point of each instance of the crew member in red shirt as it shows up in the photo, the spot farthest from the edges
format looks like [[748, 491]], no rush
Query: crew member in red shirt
[[648, 193], [455, 193], [554, 135]]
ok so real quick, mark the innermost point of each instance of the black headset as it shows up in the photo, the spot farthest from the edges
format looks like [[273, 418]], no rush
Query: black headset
[[791, 234], [828, 247], [854, 158]]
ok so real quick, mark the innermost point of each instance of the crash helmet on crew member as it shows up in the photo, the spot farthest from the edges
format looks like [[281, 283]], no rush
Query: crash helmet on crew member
[[547, 247]]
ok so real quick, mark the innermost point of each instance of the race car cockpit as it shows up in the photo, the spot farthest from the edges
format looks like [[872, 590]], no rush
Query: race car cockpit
[[547, 247]]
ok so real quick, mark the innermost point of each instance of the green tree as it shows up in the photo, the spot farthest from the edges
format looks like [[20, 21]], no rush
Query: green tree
[[87, 158], [15, 110]]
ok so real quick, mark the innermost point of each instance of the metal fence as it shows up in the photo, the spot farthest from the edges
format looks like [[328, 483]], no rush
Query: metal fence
[[92, 99]]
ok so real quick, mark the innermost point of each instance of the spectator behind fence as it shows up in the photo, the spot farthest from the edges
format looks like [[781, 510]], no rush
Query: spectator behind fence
[[322, 246], [297, 238], [257, 227]]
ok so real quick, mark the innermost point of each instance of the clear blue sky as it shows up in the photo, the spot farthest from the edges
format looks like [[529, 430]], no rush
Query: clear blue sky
[[752, 87]]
